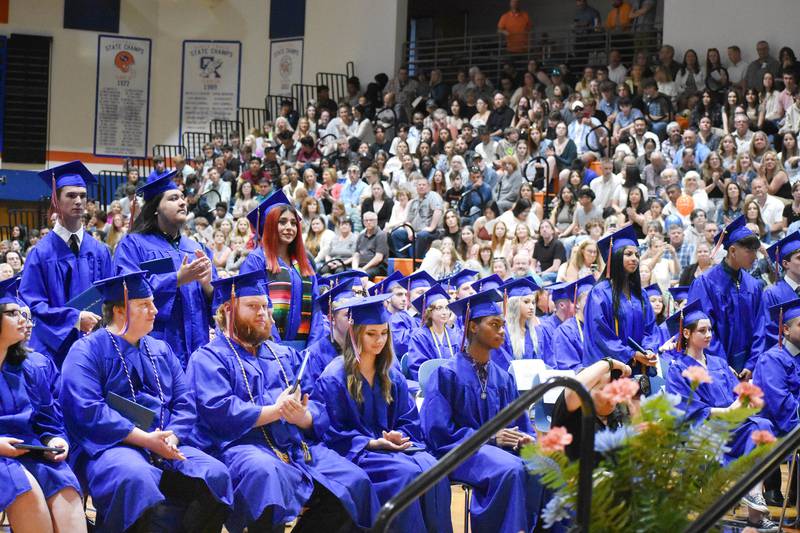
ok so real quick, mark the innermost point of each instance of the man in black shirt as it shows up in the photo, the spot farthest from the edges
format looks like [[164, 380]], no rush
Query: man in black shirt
[[381, 143], [501, 116]]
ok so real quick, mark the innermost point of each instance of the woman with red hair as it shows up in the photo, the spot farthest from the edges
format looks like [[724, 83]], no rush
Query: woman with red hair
[[292, 281]]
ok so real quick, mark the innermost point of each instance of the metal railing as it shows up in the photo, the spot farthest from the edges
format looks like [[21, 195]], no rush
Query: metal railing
[[168, 152], [337, 84], [785, 447], [551, 46], [303, 94], [225, 128], [107, 183], [252, 118], [273, 105], [467, 448], [193, 141]]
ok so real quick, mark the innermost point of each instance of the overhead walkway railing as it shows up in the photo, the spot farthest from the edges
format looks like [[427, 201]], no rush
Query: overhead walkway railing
[[469, 447]]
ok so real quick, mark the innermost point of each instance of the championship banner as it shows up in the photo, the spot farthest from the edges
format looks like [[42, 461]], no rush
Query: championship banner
[[285, 66], [209, 83], [122, 102]]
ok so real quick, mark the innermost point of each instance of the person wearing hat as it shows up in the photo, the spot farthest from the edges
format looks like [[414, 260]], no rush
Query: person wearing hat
[[293, 284], [699, 402], [563, 297], [405, 321], [374, 420], [618, 310], [39, 490], [679, 295], [435, 338], [567, 340], [129, 413], [733, 300], [785, 258], [465, 393], [523, 327], [62, 265], [460, 286], [660, 311], [475, 200], [268, 433], [183, 295]]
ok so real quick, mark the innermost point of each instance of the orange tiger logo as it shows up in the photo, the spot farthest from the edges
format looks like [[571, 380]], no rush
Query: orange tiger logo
[[123, 60]]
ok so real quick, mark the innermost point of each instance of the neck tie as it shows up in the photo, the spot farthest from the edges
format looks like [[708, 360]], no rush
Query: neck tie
[[74, 245], [797, 290]]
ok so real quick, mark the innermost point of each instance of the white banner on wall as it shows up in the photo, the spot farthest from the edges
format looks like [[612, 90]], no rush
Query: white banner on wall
[[209, 82], [285, 65], [122, 101]]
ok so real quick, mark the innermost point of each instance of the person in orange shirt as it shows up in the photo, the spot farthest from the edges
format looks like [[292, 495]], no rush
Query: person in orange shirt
[[619, 18], [515, 25]]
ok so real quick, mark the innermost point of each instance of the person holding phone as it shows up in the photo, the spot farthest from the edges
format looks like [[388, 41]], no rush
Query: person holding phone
[[374, 420], [38, 490], [266, 432], [618, 309], [129, 414]]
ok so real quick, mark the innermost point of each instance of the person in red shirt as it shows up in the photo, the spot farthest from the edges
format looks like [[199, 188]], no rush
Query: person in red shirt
[[254, 172], [515, 25]]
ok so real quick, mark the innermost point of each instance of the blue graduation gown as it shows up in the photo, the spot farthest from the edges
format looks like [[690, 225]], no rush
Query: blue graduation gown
[[323, 351], [505, 354], [568, 345], [737, 315], [774, 295], [30, 412], [506, 498], [53, 276], [606, 337], [547, 328], [184, 313], [422, 346], [256, 261], [719, 393], [121, 479], [353, 425], [402, 325], [225, 421], [777, 372]]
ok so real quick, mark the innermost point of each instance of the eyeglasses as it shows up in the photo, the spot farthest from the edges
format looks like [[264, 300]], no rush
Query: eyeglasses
[[16, 313]]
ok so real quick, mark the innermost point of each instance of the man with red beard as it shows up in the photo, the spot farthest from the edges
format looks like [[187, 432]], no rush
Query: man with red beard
[[266, 432]]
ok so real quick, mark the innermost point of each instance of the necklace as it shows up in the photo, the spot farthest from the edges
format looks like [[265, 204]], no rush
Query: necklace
[[130, 381]]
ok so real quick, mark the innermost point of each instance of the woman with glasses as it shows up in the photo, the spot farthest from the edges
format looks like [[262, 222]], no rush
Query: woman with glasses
[[435, 338]]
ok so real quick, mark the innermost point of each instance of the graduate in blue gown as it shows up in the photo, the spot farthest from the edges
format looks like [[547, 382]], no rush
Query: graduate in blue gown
[[37, 490], [784, 258], [618, 309], [567, 341], [462, 395], [435, 338], [679, 295], [267, 434], [460, 285], [524, 331], [658, 303], [63, 265], [138, 477], [405, 321], [374, 421], [493, 281], [693, 331], [733, 300], [182, 293], [563, 296], [292, 281]]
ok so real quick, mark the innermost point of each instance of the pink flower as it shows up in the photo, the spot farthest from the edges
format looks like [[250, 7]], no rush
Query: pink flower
[[555, 440], [620, 391], [750, 395], [762, 436], [696, 374]]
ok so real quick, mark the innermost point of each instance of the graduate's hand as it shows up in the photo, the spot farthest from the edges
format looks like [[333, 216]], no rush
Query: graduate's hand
[[745, 375], [199, 268], [507, 437], [156, 442], [295, 411], [667, 346], [7, 447], [385, 444], [395, 436], [57, 442], [88, 321], [647, 359]]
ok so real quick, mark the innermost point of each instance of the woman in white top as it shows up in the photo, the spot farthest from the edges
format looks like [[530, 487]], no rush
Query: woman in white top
[[364, 131], [399, 211], [691, 187], [318, 239], [691, 77], [770, 108], [482, 116]]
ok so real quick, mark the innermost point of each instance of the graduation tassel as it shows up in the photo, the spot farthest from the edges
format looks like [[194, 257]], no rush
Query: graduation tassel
[[719, 243], [133, 211], [233, 311], [127, 309], [353, 342], [330, 316], [777, 265], [466, 325], [608, 262], [505, 302], [780, 327], [679, 344], [53, 198]]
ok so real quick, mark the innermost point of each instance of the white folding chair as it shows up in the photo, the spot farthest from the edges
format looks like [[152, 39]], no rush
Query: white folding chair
[[525, 371], [544, 407]]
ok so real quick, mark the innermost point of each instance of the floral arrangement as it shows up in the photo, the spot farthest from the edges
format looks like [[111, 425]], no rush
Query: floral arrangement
[[657, 473]]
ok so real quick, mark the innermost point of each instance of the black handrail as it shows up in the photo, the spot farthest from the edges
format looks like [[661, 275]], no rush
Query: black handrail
[[731, 497], [466, 449]]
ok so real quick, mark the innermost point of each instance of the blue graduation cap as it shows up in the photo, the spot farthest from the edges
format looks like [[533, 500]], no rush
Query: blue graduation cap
[[478, 305], [653, 290], [625, 236], [258, 216], [584, 285], [519, 287], [158, 185], [73, 174], [782, 313], [731, 234], [461, 277], [249, 284], [342, 291], [113, 289], [419, 279], [432, 295], [386, 284], [8, 291], [784, 248], [563, 291], [367, 311], [489, 282], [334, 279], [687, 315], [679, 293]]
